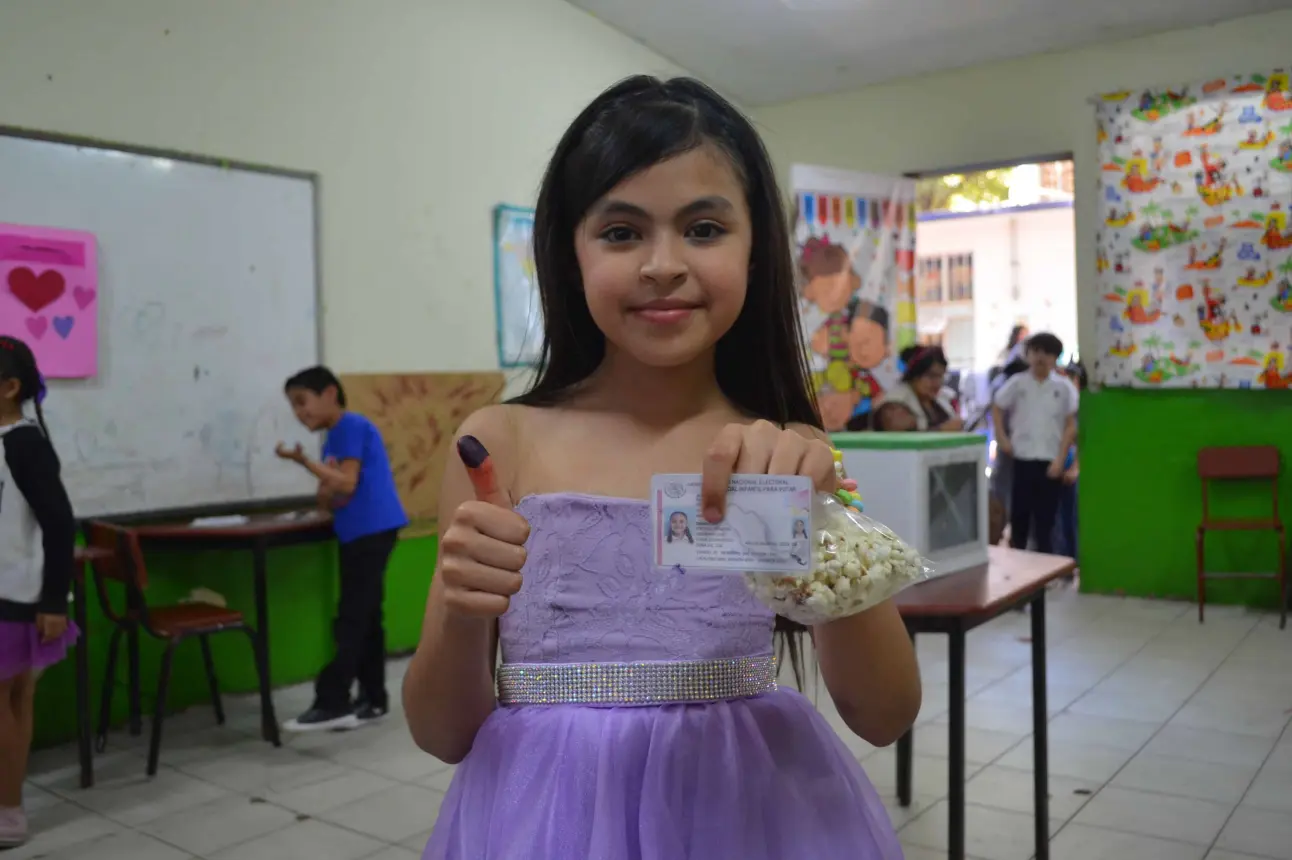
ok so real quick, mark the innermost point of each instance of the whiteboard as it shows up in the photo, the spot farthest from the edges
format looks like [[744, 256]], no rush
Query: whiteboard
[[208, 301]]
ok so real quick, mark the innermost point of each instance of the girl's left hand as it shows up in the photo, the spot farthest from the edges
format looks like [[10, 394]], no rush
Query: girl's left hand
[[761, 448], [50, 627]]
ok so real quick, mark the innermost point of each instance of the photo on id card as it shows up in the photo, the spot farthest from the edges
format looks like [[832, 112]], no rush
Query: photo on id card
[[765, 529]]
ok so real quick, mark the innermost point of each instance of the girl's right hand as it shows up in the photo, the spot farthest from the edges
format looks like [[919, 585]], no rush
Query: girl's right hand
[[481, 556]]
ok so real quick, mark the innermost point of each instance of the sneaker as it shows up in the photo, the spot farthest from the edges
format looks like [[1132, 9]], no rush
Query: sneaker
[[367, 713], [13, 827], [320, 720]]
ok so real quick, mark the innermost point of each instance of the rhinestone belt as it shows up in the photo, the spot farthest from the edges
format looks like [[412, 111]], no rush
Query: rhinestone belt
[[657, 683]]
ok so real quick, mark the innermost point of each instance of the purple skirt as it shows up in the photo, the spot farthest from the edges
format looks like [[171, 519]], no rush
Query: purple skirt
[[22, 651], [764, 778]]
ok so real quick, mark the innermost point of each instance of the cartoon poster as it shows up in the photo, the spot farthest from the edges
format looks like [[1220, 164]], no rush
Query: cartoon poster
[[518, 308], [854, 237], [49, 292], [1194, 245]]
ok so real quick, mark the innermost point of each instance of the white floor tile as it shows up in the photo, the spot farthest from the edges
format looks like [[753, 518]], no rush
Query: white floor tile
[[308, 840], [1214, 747], [1258, 831], [1109, 732], [992, 834], [208, 829], [1079, 761], [61, 827], [1222, 783], [1182, 819], [1012, 790], [392, 815], [126, 845], [1082, 842]]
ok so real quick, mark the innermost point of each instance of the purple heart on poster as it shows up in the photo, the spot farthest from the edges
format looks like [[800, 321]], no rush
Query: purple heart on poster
[[37, 326], [84, 297], [63, 325]]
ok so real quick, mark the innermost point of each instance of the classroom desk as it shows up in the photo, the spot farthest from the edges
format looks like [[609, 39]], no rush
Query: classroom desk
[[262, 532], [85, 556], [954, 605]]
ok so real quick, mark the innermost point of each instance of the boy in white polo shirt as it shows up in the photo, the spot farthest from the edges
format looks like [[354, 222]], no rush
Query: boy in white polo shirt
[[1042, 410]]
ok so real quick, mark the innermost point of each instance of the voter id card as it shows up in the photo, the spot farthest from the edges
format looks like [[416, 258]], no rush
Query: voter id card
[[769, 518]]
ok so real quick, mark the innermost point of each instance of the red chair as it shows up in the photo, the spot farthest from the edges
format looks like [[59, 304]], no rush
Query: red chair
[[1251, 463], [170, 624]]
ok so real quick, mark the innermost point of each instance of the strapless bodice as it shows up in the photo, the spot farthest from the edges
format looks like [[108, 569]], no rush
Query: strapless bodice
[[592, 595]]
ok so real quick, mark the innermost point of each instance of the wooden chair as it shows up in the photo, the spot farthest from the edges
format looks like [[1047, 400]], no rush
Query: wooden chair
[[170, 624], [1251, 463]]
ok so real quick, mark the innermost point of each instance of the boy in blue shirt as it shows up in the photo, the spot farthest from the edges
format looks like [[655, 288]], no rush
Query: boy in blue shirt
[[356, 483]]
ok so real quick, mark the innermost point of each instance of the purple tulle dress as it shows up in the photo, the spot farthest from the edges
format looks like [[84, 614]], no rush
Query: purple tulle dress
[[756, 778]]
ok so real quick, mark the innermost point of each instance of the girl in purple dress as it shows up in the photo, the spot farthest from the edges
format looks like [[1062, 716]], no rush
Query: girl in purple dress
[[37, 542], [635, 714]]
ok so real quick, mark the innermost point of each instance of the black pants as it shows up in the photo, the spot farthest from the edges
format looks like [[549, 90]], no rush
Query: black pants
[[358, 629], [1034, 504]]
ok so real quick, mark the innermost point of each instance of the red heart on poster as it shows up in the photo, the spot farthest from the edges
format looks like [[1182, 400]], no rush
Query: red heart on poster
[[36, 292], [37, 326]]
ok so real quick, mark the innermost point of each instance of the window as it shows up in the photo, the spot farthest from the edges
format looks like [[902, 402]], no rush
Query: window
[[960, 278], [930, 279]]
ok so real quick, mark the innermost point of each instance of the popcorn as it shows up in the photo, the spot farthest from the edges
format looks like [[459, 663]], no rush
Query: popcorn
[[857, 563]]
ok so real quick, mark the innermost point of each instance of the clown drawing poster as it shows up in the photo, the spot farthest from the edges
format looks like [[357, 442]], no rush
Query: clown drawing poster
[[1194, 245], [854, 236]]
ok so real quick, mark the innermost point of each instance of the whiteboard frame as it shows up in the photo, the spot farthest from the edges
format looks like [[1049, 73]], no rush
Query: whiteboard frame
[[315, 180]]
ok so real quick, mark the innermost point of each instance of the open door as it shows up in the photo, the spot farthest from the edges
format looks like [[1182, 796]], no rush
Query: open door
[[854, 236]]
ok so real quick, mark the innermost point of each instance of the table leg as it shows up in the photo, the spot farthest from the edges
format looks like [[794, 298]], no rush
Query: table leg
[[260, 573], [905, 757], [132, 661], [956, 745], [1040, 729], [84, 730]]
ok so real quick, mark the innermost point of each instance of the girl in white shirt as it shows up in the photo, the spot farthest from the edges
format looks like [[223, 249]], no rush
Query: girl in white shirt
[[37, 538]]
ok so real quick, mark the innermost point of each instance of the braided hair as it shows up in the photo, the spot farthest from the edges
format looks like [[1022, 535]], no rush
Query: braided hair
[[17, 361]]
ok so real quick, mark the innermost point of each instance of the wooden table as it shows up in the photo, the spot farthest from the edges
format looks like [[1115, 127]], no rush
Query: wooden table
[[261, 533], [85, 556], [954, 605]]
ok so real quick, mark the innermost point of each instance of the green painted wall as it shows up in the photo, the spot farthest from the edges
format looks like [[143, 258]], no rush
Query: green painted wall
[[1140, 498], [302, 601]]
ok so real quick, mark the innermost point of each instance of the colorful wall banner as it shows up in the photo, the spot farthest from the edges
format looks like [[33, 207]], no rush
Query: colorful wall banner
[[854, 237], [49, 290], [1194, 246]]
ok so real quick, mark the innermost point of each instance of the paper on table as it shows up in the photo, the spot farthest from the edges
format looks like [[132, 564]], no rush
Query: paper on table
[[221, 522]]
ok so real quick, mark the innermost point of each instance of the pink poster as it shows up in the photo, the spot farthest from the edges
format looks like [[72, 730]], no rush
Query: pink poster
[[49, 289]]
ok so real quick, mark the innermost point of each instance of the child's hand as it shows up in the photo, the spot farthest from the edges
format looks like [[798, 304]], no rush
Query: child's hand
[[481, 557], [1055, 470], [51, 627], [1070, 476], [761, 448], [296, 454]]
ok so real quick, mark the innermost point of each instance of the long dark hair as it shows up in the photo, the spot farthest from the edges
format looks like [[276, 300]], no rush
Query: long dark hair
[[761, 363], [17, 361]]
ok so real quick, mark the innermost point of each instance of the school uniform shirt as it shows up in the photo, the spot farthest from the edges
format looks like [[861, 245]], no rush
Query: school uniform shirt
[[374, 506], [37, 527], [903, 393], [1038, 409]]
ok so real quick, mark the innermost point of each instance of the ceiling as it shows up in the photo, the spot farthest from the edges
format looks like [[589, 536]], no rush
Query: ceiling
[[764, 51]]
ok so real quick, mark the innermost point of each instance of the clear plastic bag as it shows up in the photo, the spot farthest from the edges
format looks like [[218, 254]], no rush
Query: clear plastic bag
[[856, 563]]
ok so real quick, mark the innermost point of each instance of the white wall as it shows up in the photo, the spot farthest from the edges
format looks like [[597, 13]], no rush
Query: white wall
[[420, 115], [1014, 111], [1035, 245]]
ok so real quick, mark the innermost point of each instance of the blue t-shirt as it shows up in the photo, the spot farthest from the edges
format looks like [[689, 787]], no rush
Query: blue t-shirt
[[374, 506]]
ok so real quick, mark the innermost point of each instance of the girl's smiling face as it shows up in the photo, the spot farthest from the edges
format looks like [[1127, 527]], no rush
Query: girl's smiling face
[[677, 524], [664, 258]]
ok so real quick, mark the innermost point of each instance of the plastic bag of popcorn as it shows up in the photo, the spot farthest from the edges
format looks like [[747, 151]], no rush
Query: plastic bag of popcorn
[[856, 563]]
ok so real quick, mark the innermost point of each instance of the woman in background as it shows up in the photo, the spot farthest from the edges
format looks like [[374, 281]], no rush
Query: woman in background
[[920, 390]]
